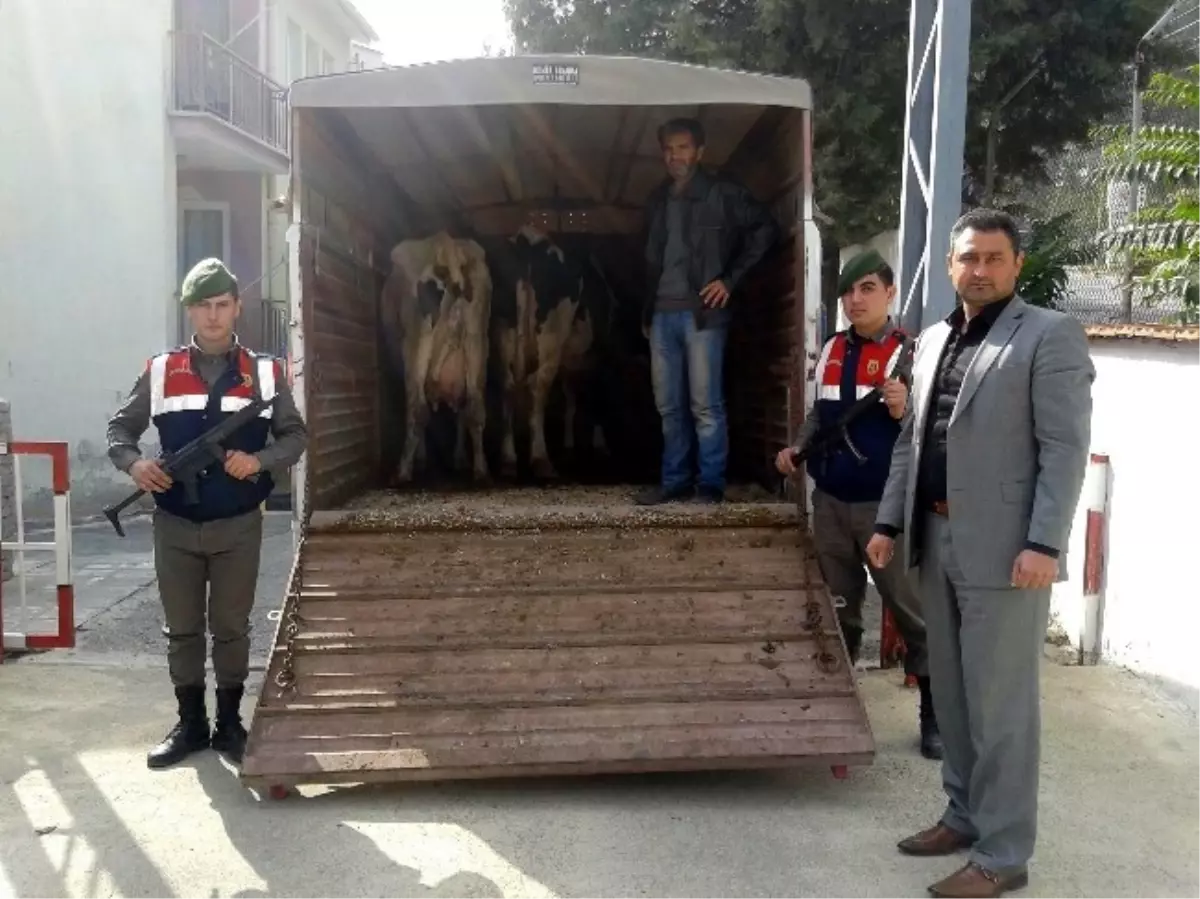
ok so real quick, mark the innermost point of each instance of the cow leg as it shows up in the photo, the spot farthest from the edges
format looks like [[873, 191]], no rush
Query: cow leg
[[416, 408], [508, 448], [475, 417], [539, 458], [568, 415], [420, 446], [414, 436], [460, 443], [550, 347], [598, 442]]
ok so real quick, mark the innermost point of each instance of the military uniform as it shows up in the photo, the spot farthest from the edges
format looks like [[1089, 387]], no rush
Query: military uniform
[[848, 492], [207, 554]]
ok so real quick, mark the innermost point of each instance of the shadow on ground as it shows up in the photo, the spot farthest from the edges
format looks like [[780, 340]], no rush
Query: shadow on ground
[[1119, 811]]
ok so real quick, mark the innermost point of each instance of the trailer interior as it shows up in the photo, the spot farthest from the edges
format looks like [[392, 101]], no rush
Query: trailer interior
[[368, 176], [448, 631]]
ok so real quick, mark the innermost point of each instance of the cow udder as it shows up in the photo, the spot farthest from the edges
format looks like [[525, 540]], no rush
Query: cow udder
[[448, 382]]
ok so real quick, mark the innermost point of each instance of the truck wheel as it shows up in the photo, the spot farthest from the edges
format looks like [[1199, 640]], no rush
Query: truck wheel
[[840, 772], [278, 791]]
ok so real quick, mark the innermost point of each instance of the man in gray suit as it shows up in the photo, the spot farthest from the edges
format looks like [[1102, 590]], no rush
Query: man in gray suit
[[985, 478]]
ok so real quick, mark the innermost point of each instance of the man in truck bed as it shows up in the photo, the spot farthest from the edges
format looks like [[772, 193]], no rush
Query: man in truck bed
[[206, 555], [706, 234]]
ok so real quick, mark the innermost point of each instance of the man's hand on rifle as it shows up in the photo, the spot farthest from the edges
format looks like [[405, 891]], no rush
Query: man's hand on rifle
[[784, 463], [148, 476], [241, 465], [879, 550], [895, 394]]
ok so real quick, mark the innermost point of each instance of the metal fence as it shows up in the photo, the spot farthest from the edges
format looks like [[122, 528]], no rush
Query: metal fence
[[1084, 204]]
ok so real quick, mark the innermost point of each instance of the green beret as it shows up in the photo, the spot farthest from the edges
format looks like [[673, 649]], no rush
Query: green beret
[[865, 263], [208, 278]]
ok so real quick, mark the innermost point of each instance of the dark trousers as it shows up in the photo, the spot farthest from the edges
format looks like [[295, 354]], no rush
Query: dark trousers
[[841, 532], [207, 575]]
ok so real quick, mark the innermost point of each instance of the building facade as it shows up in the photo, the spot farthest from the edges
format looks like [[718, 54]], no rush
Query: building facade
[[134, 146]]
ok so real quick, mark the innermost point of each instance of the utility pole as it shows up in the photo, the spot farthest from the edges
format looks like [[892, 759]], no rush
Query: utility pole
[[939, 49]]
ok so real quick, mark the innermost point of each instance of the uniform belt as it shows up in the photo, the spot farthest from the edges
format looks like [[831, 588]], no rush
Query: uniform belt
[[940, 508]]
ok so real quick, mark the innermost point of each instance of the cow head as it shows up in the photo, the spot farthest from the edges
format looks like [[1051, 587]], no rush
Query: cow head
[[530, 236], [450, 267]]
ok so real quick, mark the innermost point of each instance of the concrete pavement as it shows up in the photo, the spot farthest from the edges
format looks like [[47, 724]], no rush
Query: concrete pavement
[[81, 815]]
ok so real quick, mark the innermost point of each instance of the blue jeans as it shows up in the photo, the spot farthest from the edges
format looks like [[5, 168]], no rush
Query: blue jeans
[[687, 368]]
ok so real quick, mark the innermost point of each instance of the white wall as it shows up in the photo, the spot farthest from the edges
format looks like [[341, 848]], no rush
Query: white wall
[[317, 20], [1145, 417], [87, 185]]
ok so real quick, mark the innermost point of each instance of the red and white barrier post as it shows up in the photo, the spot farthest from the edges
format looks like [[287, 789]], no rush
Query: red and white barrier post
[[17, 636], [1095, 496]]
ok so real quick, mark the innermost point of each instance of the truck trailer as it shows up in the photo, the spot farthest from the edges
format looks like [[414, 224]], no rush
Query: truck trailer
[[449, 630]]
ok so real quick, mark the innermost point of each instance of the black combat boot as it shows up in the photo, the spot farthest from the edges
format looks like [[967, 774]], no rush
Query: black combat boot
[[853, 637], [190, 734], [229, 737], [931, 737]]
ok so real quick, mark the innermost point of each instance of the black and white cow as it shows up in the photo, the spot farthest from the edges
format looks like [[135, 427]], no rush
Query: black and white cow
[[436, 305], [552, 316]]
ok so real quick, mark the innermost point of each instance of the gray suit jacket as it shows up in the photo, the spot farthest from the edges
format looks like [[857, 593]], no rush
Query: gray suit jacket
[[1017, 446]]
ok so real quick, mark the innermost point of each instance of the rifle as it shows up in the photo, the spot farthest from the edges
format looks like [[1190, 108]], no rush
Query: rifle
[[838, 432], [187, 463]]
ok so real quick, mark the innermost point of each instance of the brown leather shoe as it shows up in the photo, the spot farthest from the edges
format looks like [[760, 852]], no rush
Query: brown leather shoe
[[937, 840], [973, 881]]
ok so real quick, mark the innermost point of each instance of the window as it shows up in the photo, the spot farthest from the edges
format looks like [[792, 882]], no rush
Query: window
[[312, 56], [295, 52], [305, 57]]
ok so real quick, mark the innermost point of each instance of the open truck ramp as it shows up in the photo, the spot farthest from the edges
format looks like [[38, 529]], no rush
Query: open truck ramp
[[519, 633]]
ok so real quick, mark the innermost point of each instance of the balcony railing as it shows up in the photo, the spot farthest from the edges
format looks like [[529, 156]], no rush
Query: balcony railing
[[211, 78]]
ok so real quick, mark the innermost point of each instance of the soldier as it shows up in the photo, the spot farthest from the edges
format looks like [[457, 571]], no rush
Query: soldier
[[847, 493], [207, 555]]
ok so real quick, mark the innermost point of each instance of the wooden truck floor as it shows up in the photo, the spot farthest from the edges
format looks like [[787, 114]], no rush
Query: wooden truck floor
[[525, 632]]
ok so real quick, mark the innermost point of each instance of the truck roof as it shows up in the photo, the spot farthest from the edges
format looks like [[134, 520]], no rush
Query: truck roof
[[571, 79]]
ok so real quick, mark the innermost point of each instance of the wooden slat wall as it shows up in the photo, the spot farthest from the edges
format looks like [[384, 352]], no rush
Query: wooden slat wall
[[767, 338], [760, 363], [343, 228]]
